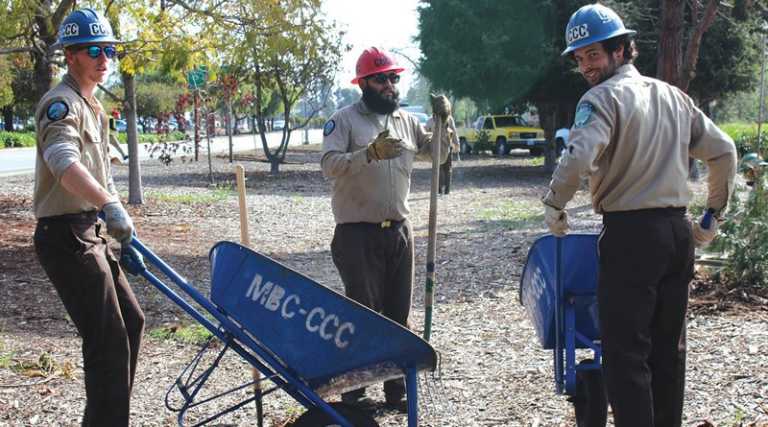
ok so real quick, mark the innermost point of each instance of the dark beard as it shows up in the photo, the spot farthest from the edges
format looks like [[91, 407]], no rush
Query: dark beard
[[378, 103]]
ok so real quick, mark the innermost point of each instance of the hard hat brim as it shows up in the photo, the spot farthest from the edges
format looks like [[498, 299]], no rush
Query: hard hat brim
[[586, 42]]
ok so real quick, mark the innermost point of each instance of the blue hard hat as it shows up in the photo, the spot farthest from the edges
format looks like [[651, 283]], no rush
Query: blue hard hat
[[84, 26], [591, 24]]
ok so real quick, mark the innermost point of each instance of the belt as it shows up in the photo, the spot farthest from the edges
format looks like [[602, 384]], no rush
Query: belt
[[672, 211], [387, 223], [82, 217]]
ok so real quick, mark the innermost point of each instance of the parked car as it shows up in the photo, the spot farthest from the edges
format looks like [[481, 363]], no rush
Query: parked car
[[561, 140], [423, 118], [278, 124], [505, 132], [121, 125]]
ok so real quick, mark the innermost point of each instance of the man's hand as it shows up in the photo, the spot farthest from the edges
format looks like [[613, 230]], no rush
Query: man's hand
[[384, 147], [704, 236], [131, 260], [119, 224], [441, 106], [557, 220]]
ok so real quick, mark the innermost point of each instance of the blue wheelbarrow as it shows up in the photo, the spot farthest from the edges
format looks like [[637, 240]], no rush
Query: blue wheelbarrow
[[558, 290], [304, 338]]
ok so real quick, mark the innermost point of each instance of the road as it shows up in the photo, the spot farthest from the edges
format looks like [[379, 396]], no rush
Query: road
[[17, 161]]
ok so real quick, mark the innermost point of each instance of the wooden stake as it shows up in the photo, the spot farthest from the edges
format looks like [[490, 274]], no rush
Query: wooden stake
[[245, 240]]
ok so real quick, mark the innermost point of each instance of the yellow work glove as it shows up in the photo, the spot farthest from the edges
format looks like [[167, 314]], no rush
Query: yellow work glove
[[556, 220], [704, 236], [384, 147]]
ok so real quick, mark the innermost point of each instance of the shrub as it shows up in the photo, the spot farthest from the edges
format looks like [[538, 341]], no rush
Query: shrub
[[483, 142], [744, 135], [744, 239], [17, 139]]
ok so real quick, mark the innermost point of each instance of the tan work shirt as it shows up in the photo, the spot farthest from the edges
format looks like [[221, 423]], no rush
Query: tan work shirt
[[84, 125], [632, 137], [373, 191]]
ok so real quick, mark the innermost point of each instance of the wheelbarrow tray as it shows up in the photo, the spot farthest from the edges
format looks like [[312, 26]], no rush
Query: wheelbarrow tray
[[305, 338], [558, 289]]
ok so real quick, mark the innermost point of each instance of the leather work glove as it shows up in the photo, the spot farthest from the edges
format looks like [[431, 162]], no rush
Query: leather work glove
[[384, 147], [131, 260], [704, 236], [557, 220], [441, 106], [119, 224]]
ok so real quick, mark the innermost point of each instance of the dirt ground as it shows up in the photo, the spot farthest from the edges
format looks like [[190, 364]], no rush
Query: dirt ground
[[493, 372]]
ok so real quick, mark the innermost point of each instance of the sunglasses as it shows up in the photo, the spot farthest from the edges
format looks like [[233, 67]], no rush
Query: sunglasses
[[95, 51], [382, 78]]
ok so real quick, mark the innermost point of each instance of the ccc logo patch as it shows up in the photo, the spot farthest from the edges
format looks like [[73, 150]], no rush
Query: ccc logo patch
[[70, 30], [98, 30], [577, 33]]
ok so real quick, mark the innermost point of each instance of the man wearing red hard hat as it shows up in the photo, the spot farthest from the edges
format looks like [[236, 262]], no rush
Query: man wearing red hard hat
[[368, 153]]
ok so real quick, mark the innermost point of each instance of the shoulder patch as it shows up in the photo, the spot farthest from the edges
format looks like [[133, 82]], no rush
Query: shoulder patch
[[329, 127], [583, 114], [57, 111]]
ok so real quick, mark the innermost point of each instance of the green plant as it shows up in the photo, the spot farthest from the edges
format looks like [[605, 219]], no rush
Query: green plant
[[17, 139], [6, 358], [483, 142], [744, 239], [191, 334], [205, 197], [513, 214], [744, 135]]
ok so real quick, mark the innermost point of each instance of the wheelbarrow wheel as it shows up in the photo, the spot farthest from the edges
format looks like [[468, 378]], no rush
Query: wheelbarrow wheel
[[590, 401], [316, 417]]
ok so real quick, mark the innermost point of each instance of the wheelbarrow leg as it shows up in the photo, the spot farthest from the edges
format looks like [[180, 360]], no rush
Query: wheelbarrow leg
[[411, 385]]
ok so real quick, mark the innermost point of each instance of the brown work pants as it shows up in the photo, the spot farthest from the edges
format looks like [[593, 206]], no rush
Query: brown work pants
[[444, 183], [646, 264], [102, 306], [376, 266]]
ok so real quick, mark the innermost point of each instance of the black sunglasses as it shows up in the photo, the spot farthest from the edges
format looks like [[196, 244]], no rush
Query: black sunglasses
[[95, 51], [382, 78]]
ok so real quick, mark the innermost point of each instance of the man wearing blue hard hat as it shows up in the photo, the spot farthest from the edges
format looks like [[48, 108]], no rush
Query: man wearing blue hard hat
[[73, 182], [632, 136]]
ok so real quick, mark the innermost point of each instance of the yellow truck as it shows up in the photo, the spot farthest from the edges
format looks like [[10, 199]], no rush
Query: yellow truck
[[505, 132]]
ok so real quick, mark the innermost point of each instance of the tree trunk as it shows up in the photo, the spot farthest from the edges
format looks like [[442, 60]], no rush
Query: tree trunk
[[547, 114], [669, 60], [274, 165], [43, 75], [135, 193], [688, 70], [8, 118]]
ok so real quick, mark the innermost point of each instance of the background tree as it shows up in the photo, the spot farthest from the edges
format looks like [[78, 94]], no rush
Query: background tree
[[6, 78], [502, 64], [31, 27], [286, 47], [346, 96]]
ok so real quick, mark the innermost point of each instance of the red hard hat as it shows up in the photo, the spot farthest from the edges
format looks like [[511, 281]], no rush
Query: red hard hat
[[375, 61]]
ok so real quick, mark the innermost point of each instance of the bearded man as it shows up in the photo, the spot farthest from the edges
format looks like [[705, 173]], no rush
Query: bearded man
[[368, 153]]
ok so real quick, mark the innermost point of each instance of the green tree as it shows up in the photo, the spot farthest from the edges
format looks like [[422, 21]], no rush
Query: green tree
[[6, 78], [288, 49], [346, 96]]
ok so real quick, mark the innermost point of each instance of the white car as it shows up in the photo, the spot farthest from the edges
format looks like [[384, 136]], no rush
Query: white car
[[278, 124], [561, 140]]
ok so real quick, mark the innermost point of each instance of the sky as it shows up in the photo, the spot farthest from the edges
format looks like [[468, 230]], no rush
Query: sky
[[389, 24]]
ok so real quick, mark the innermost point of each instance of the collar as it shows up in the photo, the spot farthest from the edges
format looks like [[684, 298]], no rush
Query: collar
[[364, 110], [627, 70], [72, 83]]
